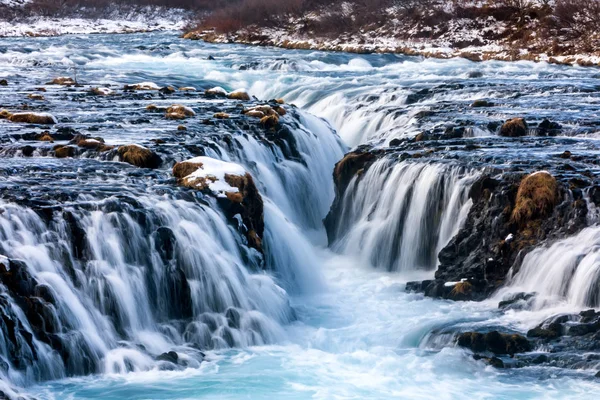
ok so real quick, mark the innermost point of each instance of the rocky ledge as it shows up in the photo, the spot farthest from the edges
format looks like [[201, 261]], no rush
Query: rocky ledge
[[529, 191]]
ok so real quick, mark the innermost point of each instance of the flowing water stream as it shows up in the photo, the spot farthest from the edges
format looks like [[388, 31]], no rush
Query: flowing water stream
[[136, 266]]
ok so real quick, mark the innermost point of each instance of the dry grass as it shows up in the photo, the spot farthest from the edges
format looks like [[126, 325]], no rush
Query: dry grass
[[462, 288], [536, 197], [185, 168]]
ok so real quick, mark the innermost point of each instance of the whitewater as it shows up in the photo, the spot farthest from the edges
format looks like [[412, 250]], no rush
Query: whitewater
[[333, 319]]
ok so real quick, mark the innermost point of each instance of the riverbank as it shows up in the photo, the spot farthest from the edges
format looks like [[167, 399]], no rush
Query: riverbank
[[373, 44]]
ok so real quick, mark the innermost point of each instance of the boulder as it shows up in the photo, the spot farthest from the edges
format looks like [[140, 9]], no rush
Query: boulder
[[494, 342], [139, 156], [62, 80], [216, 92], [514, 127], [3, 82], [142, 86], [270, 121], [36, 96], [482, 103], [178, 111], [33, 118], [100, 91], [239, 95], [221, 115], [233, 187], [64, 151]]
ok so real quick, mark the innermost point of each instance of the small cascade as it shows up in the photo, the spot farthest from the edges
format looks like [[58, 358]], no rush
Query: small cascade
[[566, 273], [398, 216]]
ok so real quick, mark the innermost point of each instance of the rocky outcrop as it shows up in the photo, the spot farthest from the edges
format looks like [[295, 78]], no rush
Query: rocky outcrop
[[511, 215], [238, 197]]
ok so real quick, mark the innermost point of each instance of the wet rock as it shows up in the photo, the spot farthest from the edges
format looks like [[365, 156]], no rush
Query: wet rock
[[418, 96], [141, 86], [514, 128], [3, 82], [33, 118], [178, 111], [239, 95], [492, 361], [171, 357], [100, 91], [185, 168], [216, 92], [63, 80], [270, 121], [221, 115], [36, 96], [494, 342], [475, 74], [516, 301], [565, 155], [548, 128], [167, 90], [482, 103], [139, 156], [64, 151]]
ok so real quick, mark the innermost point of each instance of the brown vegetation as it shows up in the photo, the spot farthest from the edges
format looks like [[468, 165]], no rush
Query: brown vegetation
[[185, 168], [139, 156], [536, 197]]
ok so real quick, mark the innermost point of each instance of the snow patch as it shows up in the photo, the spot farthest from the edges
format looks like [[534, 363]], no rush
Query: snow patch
[[213, 172]]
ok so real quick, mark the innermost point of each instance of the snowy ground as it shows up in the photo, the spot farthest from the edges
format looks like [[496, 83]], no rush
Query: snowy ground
[[141, 20], [56, 26]]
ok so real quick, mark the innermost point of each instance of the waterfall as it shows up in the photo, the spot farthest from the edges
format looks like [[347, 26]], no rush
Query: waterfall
[[125, 283], [566, 273], [110, 277], [399, 215]]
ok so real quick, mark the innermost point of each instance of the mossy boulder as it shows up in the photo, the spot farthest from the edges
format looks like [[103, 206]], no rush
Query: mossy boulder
[[239, 95], [64, 151], [139, 156], [514, 127], [33, 118], [178, 111], [62, 80]]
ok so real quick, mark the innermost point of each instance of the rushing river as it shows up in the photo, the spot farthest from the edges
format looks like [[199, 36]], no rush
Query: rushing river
[[326, 323]]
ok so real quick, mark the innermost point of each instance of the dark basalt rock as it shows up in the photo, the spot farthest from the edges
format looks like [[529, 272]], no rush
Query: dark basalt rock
[[494, 342], [171, 357], [481, 253]]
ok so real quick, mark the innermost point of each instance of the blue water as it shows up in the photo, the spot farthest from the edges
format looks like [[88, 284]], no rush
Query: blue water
[[362, 336]]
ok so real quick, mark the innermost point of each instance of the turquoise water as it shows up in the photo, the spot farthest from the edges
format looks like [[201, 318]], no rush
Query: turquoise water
[[360, 336]]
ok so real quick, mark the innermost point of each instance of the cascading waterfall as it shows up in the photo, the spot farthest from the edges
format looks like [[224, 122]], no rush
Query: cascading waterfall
[[567, 273], [126, 279], [297, 190], [398, 216], [125, 284]]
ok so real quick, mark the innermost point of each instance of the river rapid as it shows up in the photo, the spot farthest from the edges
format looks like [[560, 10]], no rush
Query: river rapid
[[323, 320]]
